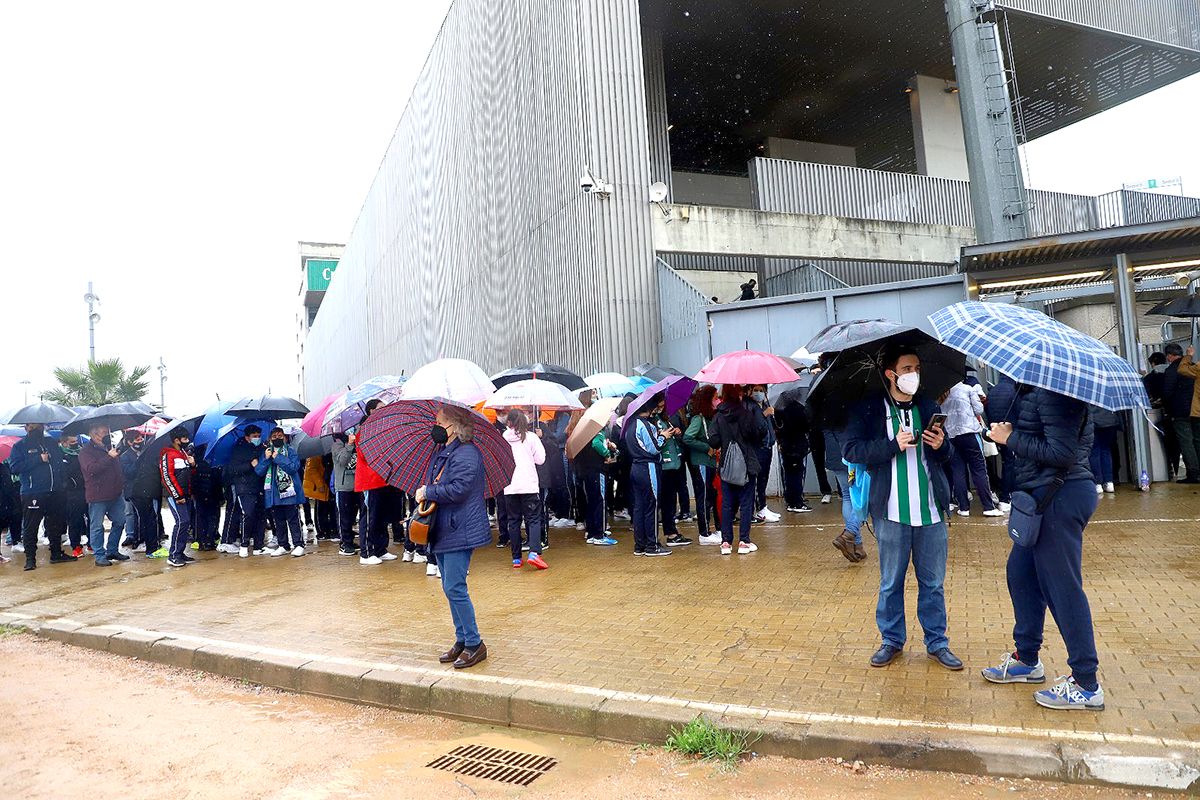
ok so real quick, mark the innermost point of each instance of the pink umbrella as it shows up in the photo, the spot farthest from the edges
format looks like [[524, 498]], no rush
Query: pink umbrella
[[6, 445], [747, 367], [311, 424], [151, 426]]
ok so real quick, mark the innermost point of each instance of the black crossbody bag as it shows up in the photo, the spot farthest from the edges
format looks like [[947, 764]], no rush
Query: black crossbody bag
[[1025, 517]]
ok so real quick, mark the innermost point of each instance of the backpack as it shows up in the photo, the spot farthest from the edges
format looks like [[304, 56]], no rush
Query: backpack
[[733, 460]]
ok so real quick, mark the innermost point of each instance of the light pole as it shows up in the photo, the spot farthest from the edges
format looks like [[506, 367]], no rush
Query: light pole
[[93, 317], [26, 385], [162, 385]]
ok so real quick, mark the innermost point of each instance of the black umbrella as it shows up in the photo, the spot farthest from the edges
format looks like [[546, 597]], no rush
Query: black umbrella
[[268, 406], [307, 447], [542, 372], [116, 416], [781, 394], [43, 413], [857, 372], [1177, 307], [148, 458], [655, 372]]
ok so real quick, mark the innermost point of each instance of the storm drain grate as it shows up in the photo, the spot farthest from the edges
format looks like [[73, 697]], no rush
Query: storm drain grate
[[494, 764]]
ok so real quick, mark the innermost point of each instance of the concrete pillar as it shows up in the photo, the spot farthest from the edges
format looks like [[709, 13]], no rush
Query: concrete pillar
[[656, 109], [1127, 324], [997, 187], [938, 128]]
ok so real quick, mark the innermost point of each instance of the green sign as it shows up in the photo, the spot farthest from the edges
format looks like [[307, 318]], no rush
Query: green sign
[[320, 272]]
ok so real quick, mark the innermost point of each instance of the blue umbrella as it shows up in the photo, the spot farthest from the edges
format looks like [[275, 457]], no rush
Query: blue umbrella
[[640, 383], [1035, 350], [214, 420], [219, 451]]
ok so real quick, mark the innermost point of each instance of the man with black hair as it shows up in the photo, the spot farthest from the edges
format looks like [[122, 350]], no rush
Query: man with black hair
[[248, 489], [909, 499], [748, 289], [38, 460], [175, 465]]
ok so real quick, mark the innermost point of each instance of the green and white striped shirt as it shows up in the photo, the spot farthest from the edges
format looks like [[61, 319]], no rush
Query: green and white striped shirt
[[911, 501]]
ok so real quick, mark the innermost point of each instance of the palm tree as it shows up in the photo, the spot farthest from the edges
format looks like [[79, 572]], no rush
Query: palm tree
[[98, 383]]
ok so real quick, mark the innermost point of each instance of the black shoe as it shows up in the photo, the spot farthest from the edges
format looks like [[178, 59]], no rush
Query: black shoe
[[502, 543], [675, 540], [62, 558], [118, 557], [656, 551], [638, 552], [130, 543], [1188, 480], [347, 551], [947, 659], [885, 655], [186, 558], [30, 565]]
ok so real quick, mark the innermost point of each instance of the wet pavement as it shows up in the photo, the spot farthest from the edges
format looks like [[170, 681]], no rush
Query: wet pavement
[[163, 732], [787, 629]]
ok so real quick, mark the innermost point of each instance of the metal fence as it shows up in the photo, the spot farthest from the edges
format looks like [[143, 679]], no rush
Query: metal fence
[[798, 187]]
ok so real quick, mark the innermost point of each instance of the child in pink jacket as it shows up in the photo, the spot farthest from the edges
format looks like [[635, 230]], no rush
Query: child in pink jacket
[[523, 497]]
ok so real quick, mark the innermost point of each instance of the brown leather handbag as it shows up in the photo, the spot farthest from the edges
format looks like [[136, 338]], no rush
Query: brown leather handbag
[[421, 521]]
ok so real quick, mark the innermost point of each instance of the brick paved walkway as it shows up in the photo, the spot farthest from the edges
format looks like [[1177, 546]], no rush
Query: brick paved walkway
[[787, 629]]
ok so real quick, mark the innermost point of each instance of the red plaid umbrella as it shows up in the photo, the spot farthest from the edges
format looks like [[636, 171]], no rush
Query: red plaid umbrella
[[395, 442]]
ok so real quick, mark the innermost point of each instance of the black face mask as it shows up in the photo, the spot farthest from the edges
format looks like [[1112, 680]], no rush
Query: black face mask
[[439, 434], [278, 444]]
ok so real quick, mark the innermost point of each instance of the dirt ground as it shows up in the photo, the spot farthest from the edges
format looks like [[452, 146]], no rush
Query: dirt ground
[[80, 724]]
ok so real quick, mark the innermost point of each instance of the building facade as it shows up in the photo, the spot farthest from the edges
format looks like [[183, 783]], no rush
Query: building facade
[[802, 142], [318, 262]]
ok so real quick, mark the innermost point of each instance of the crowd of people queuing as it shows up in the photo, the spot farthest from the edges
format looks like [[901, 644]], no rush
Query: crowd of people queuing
[[913, 458]]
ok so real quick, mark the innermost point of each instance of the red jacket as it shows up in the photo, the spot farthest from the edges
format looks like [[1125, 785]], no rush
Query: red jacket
[[366, 478], [176, 473]]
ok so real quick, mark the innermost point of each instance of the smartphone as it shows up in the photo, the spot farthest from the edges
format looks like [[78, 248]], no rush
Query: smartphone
[[938, 421]]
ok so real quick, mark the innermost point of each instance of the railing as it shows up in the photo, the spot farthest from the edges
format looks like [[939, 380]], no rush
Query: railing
[[798, 187], [681, 305], [1174, 22]]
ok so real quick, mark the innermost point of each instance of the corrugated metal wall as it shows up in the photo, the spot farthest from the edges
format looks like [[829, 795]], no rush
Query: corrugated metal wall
[[1172, 21], [656, 109], [1134, 208], [475, 240]]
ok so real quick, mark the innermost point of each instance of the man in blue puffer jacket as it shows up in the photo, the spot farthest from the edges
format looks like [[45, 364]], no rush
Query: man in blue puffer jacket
[[909, 501], [38, 460], [1052, 442]]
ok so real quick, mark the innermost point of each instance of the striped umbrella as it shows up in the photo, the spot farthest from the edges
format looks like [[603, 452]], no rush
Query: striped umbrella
[[396, 444], [1032, 349]]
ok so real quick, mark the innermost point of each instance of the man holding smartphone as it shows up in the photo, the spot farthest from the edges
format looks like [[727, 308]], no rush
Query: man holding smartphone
[[909, 497]]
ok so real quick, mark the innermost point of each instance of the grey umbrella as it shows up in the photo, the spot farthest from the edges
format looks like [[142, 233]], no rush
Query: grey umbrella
[[117, 416], [1178, 307], [43, 413]]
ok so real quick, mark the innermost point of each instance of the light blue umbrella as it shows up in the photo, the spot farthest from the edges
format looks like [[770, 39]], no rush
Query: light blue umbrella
[[1035, 350], [214, 420], [612, 384]]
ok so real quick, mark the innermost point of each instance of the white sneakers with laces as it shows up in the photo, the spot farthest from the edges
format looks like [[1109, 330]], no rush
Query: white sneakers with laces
[[371, 561], [297, 551], [278, 551], [746, 547]]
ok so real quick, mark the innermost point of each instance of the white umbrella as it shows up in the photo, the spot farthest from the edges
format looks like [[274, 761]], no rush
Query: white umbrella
[[544, 395], [449, 379], [806, 358]]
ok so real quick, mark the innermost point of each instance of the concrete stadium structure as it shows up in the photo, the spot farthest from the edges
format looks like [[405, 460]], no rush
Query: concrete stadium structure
[[817, 144]]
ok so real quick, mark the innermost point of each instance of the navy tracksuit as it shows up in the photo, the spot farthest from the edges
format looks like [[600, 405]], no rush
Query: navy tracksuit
[[642, 442]]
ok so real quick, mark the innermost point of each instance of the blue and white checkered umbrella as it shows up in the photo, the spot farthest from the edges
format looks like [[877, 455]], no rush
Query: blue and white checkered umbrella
[[1035, 350]]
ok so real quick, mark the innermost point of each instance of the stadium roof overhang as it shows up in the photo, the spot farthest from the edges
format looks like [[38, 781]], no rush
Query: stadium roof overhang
[[835, 71]]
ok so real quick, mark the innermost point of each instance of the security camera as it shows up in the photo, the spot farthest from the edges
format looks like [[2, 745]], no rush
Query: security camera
[[586, 182]]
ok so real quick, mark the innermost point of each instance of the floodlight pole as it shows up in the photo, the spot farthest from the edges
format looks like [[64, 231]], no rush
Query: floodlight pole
[[91, 299], [162, 385]]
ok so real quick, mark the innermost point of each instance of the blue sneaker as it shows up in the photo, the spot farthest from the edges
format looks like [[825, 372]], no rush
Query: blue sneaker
[[606, 541], [1012, 670], [1067, 695]]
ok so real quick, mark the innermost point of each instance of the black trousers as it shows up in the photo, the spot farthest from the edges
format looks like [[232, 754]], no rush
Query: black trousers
[[526, 507], [231, 526], [706, 496], [41, 508], [251, 504], [593, 504], [794, 467], [146, 524], [348, 504], [208, 513], [816, 440], [75, 517], [673, 482], [287, 520]]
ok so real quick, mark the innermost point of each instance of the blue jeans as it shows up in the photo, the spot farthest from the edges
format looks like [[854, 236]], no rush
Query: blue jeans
[[926, 547], [454, 565], [115, 509], [1100, 459], [852, 523]]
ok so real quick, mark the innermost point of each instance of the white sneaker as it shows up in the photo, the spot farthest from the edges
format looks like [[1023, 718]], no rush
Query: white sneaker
[[310, 529], [769, 515], [261, 552], [432, 571], [579, 526], [622, 515], [1006, 507], [963, 513], [746, 547], [1109, 488], [18, 548], [297, 551], [712, 538], [1099, 488], [954, 506], [276, 552], [826, 499], [995, 512], [726, 549], [243, 552], [43, 541], [419, 559], [408, 556], [388, 557], [272, 542], [370, 562]]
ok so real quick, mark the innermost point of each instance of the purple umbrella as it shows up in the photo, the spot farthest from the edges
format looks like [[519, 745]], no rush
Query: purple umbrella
[[677, 389]]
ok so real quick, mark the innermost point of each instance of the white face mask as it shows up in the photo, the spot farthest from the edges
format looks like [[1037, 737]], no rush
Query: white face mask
[[909, 382]]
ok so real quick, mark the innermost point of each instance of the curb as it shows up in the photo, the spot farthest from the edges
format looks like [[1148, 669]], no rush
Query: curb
[[635, 719]]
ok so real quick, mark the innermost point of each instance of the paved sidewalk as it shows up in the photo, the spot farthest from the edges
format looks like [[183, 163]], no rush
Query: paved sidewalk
[[781, 636]]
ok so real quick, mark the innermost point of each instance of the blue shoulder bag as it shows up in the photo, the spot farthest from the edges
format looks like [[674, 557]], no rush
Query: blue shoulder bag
[[1025, 517]]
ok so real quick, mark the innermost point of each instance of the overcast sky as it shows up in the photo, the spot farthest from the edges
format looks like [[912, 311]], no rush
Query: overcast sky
[[175, 153]]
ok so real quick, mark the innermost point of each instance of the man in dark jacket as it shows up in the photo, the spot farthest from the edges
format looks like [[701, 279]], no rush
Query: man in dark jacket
[[248, 488], [105, 484], [1181, 401], [37, 459], [143, 490], [74, 496], [910, 498], [207, 494], [792, 433]]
